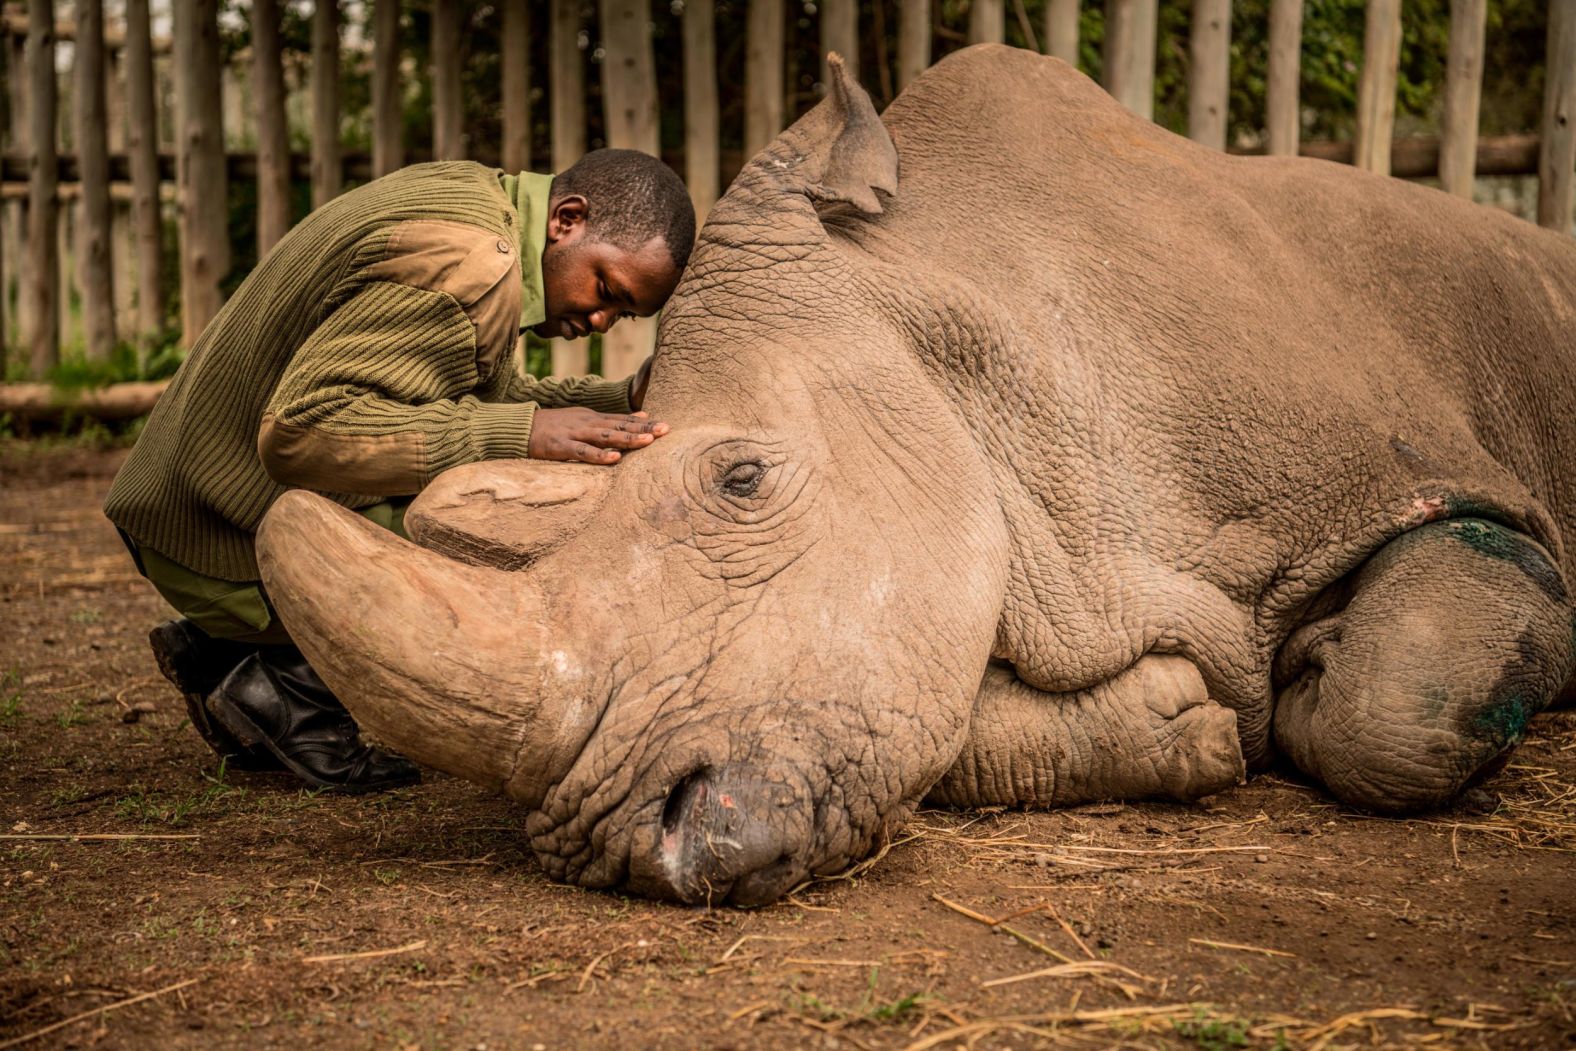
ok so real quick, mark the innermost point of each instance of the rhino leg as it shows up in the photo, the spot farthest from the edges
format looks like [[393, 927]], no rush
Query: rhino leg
[[1150, 732], [1453, 637]]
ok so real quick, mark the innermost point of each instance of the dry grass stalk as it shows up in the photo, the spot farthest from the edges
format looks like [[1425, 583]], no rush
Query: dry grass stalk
[[1068, 928], [85, 1015], [1124, 988], [1168, 1021], [370, 954], [1076, 969], [1209, 944], [585, 975], [101, 837]]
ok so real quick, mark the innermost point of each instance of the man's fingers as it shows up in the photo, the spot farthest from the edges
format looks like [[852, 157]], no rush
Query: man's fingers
[[583, 453], [618, 439], [635, 426]]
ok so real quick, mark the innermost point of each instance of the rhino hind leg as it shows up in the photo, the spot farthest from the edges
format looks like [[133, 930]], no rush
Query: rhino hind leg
[[1454, 636], [1149, 733]]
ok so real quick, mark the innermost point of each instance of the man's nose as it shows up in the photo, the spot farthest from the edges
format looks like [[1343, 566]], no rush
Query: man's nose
[[602, 320]]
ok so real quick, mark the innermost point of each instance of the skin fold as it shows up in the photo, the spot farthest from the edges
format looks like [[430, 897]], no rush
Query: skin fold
[[1022, 453]]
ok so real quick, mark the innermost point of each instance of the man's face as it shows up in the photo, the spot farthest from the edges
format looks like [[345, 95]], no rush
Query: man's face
[[588, 284]]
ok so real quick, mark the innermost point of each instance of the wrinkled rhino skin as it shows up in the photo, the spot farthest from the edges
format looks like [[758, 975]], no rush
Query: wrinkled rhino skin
[[1023, 453]]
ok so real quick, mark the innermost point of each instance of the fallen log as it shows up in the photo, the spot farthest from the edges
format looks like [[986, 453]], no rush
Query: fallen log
[[46, 403]]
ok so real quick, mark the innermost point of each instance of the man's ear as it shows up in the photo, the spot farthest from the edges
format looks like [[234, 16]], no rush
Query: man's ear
[[566, 219]]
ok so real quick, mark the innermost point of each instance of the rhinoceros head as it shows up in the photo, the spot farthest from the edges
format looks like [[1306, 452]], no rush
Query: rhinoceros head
[[742, 655]]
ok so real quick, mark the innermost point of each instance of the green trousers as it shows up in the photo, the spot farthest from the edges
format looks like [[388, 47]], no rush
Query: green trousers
[[229, 609]]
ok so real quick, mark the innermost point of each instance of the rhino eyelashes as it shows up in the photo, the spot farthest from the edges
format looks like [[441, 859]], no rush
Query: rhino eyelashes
[[743, 478]]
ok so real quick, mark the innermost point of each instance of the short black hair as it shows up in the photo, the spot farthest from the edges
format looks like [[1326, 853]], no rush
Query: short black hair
[[631, 197]]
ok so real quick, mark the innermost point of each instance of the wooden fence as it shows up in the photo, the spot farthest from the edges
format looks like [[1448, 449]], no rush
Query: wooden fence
[[147, 128]]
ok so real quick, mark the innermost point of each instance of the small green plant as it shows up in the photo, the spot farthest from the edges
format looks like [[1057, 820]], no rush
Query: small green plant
[[72, 716], [1213, 1034], [153, 808], [869, 1009], [386, 877], [10, 697], [86, 616]]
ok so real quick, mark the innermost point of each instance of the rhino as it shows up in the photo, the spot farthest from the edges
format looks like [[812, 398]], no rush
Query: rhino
[[1023, 453]]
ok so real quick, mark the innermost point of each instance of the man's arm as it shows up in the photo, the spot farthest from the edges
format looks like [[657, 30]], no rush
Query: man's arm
[[378, 401], [590, 392]]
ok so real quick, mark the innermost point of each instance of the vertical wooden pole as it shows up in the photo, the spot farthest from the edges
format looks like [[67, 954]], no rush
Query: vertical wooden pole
[[570, 357], [204, 189], [69, 294], [21, 143], [448, 111], [629, 101], [327, 172], [239, 133], [43, 266], [516, 59], [142, 143], [701, 121], [840, 33], [568, 87], [95, 267], [1130, 53], [69, 199], [388, 147], [1557, 153], [1376, 88], [987, 22], [273, 136], [122, 253], [1458, 131], [913, 41], [1209, 73], [763, 75], [1283, 124], [1061, 30]]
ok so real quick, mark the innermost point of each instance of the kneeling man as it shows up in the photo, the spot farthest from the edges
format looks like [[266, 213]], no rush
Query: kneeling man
[[369, 351]]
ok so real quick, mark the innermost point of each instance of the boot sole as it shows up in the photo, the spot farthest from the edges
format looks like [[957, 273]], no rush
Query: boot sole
[[237, 722]]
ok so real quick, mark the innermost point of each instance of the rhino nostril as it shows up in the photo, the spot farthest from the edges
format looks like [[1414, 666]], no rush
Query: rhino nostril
[[684, 797]]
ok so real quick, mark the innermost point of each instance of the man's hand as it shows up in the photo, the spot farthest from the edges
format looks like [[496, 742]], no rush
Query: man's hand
[[587, 436], [637, 388]]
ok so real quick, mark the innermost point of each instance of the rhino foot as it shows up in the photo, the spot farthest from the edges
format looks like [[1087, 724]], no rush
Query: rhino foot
[[1150, 732]]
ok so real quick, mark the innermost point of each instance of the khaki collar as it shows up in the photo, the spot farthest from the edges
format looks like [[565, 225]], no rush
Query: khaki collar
[[529, 193]]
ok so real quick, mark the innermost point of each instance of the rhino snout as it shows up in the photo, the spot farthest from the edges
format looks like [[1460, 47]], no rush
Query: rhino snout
[[727, 835]]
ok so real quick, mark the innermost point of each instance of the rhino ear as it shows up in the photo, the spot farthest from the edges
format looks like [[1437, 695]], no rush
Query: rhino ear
[[839, 151], [505, 514]]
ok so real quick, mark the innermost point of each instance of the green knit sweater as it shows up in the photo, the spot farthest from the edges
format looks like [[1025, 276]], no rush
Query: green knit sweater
[[371, 350]]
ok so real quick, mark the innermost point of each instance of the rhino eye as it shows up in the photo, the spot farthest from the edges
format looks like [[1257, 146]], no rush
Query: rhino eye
[[742, 479]]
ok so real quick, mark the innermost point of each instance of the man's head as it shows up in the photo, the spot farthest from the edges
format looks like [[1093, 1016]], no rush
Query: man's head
[[619, 231]]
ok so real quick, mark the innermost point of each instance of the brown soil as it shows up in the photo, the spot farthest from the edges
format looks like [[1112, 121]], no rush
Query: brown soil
[[1268, 917]]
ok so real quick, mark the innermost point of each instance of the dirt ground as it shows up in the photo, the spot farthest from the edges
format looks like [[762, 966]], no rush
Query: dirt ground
[[148, 901]]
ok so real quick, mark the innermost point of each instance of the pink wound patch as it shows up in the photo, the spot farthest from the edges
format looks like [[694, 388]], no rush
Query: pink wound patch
[[1425, 509]]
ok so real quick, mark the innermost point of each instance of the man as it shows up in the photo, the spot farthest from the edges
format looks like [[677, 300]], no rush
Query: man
[[370, 350]]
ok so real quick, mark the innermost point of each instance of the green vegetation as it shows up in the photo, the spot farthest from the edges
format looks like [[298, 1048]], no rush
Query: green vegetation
[[159, 808], [10, 696], [1213, 1034], [869, 1009]]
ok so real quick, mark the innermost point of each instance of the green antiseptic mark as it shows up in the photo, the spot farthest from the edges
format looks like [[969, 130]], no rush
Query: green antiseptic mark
[[1505, 722], [1495, 541]]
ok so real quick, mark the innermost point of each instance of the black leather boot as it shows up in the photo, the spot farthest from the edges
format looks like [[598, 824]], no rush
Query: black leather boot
[[195, 662], [275, 700]]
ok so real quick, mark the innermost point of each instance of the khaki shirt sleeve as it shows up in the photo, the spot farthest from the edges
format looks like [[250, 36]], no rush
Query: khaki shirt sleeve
[[379, 399], [591, 392]]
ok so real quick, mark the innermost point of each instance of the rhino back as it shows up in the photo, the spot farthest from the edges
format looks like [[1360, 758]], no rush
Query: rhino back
[[1218, 383]]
